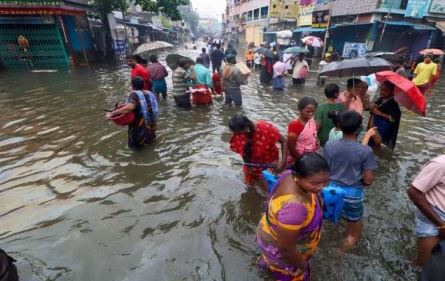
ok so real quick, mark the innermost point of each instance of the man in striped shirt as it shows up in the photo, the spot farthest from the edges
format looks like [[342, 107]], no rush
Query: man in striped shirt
[[180, 86]]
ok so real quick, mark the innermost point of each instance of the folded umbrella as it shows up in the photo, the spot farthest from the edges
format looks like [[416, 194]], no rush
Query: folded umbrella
[[355, 67], [296, 50], [405, 93]]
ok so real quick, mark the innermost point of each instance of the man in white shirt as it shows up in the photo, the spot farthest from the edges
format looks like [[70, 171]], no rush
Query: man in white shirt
[[301, 70], [322, 79]]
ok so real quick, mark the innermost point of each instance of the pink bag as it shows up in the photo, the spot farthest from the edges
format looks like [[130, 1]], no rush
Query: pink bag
[[304, 72]]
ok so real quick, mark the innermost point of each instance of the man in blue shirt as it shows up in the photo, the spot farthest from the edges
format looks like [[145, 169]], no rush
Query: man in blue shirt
[[352, 165], [217, 57]]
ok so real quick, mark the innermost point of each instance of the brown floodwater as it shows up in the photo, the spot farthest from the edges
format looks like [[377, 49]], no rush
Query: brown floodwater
[[77, 204]]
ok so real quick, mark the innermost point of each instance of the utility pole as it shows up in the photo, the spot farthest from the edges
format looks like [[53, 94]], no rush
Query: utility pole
[[127, 51], [326, 36], [388, 16]]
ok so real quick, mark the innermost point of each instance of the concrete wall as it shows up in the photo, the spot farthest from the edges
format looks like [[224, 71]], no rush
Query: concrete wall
[[252, 5], [349, 7]]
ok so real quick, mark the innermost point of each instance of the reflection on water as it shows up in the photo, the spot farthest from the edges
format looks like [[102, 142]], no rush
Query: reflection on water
[[76, 204]]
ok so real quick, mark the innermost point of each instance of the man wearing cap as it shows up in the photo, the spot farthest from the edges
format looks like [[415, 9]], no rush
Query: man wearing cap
[[425, 73]]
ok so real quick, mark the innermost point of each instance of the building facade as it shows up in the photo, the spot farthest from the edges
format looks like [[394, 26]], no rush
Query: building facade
[[246, 20], [44, 34], [405, 26]]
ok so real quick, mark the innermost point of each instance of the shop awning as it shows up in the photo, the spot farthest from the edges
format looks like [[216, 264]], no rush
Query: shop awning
[[415, 26], [350, 25], [440, 25], [308, 30]]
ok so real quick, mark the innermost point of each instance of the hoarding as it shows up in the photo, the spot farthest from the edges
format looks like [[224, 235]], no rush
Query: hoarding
[[320, 19], [305, 15], [275, 7], [437, 7], [289, 9], [285, 9], [354, 50], [417, 8]]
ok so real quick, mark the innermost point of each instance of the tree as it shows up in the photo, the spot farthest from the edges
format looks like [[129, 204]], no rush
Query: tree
[[190, 17], [168, 7], [102, 8]]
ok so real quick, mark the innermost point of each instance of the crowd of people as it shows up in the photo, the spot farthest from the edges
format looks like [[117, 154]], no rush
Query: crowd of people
[[327, 151]]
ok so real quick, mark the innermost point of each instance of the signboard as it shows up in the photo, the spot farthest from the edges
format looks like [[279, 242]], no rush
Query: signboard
[[132, 32], [285, 9], [417, 8], [320, 19], [393, 4], [437, 7], [289, 9], [305, 15], [354, 50], [119, 46], [275, 7]]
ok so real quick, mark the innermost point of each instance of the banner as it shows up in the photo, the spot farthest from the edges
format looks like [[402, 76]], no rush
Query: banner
[[354, 50], [305, 15], [289, 9], [417, 8], [275, 7], [393, 4], [437, 7], [320, 19]]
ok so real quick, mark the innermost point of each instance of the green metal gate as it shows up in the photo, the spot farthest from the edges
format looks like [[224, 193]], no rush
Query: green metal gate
[[46, 47]]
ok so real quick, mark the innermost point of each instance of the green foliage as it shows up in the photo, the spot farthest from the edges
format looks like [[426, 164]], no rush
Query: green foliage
[[167, 7], [166, 22], [104, 7], [190, 17]]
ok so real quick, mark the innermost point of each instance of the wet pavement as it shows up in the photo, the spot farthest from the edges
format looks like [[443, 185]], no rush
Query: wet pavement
[[76, 204]]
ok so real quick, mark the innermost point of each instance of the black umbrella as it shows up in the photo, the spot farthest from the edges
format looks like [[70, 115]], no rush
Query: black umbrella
[[173, 59], [265, 52], [356, 67]]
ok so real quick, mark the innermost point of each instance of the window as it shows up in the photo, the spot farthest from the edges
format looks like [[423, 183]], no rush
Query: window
[[256, 14], [264, 12], [403, 4], [249, 16], [244, 17]]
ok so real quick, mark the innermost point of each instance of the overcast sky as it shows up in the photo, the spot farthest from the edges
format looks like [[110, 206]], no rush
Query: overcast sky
[[212, 8]]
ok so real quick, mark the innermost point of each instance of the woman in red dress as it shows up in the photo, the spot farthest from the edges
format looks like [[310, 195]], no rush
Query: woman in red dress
[[257, 144]]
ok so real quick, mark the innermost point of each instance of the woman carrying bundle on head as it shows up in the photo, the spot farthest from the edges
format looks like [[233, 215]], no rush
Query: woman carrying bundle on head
[[257, 145], [232, 80]]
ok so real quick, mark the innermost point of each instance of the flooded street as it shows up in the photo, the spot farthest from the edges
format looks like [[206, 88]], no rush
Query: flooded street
[[77, 204]]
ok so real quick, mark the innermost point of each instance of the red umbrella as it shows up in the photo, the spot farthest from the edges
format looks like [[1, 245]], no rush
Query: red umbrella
[[405, 93]]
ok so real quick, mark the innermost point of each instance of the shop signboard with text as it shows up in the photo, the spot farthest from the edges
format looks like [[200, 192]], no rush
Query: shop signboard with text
[[417, 8], [320, 19], [354, 50], [307, 7], [437, 7]]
